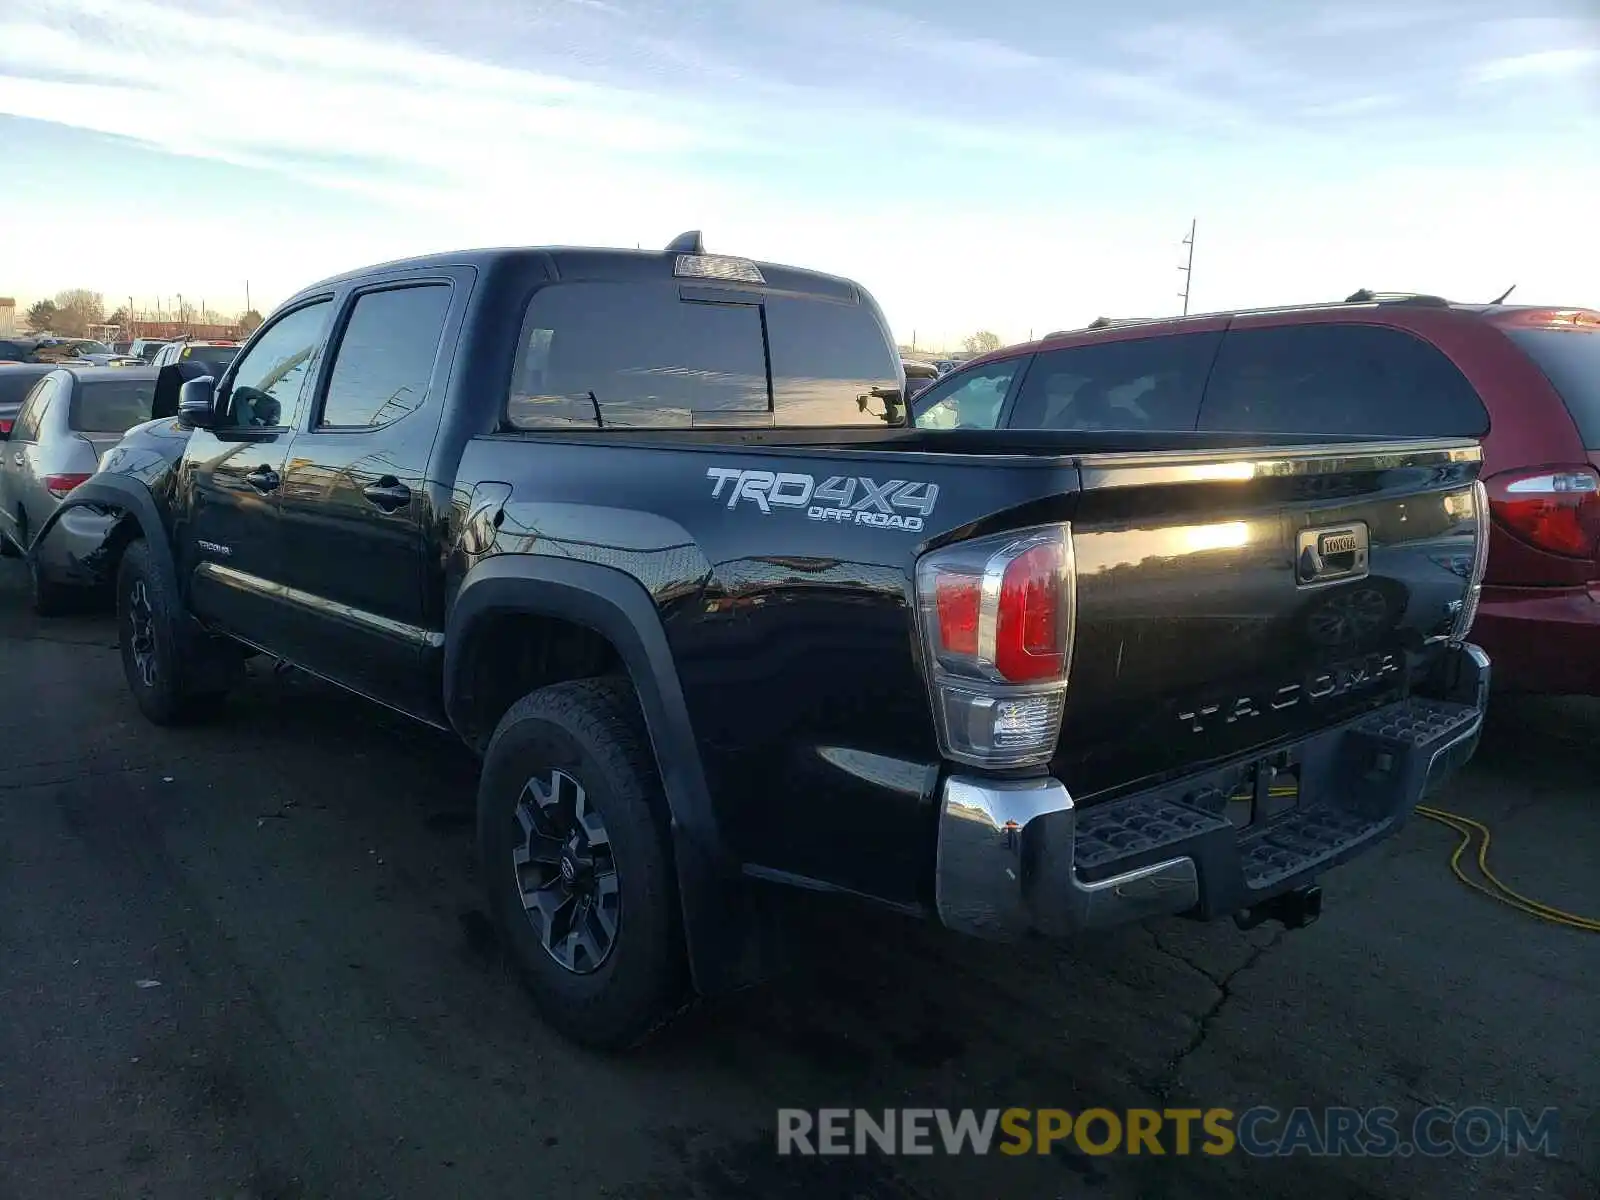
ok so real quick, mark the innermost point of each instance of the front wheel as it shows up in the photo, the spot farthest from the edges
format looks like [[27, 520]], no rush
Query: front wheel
[[573, 831], [162, 668]]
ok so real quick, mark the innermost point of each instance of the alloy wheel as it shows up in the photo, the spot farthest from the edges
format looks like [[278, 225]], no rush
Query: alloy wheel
[[566, 875], [142, 633]]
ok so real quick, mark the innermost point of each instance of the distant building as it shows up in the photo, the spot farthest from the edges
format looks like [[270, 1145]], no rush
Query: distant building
[[8, 316]]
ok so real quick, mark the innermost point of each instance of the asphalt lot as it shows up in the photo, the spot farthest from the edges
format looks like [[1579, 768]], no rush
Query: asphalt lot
[[249, 960]]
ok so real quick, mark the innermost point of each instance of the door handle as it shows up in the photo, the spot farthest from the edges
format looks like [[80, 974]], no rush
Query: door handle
[[263, 479], [388, 493]]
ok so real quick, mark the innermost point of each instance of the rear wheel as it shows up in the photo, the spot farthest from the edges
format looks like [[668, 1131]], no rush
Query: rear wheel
[[574, 835]]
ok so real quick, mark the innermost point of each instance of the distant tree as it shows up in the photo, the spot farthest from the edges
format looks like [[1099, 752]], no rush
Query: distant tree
[[119, 318], [42, 315], [77, 309], [981, 342], [250, 321]]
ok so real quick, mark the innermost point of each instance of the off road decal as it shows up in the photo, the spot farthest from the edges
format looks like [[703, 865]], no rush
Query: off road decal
[[845, 499]]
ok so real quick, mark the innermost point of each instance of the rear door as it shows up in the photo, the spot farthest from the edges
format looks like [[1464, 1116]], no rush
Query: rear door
[[354, 498]]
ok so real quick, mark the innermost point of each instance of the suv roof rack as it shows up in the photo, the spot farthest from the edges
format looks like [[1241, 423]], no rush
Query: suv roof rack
[[1366, 296]]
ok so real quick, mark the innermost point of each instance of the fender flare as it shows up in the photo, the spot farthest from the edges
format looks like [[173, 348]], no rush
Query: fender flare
[[727, 935], [616, 606], [130, 496]]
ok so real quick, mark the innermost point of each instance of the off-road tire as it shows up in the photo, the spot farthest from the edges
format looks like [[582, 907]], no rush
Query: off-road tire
[[591, 731], [182, 679]]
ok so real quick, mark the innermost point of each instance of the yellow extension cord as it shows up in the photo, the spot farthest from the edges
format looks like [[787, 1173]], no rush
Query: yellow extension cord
[[1496, 889]]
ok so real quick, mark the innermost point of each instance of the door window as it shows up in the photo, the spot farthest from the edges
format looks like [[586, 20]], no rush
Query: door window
[[385, 359], [268, 377], [1338, 380], [33, 410], [1150, 384], [971, 400]]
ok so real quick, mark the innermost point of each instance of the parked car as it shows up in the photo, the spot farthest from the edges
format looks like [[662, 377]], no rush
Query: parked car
[[918, 375], [632, 526], [16, 381], [217, 354], [73, 350], [1524, 379], [68, 419], [16, 350]]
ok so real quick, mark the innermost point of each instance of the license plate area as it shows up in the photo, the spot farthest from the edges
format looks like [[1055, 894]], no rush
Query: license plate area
[[1268, 789]]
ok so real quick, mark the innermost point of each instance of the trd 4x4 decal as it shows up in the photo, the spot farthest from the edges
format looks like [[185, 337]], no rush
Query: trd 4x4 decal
[[849, 499]]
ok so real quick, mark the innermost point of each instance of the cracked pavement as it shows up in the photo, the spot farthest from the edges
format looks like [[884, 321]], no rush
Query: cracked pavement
[[332, 1016]]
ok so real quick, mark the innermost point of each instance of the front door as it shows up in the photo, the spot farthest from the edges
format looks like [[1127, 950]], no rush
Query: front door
[[232, 552], [355, 501]]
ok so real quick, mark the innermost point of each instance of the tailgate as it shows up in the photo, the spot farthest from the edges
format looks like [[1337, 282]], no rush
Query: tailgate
[[1227, 604]]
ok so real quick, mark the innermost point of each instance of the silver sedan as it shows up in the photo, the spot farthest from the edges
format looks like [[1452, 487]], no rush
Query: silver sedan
[[68, 420]]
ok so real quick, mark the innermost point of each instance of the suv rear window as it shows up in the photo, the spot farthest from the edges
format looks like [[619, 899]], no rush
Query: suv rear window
[[1570, 359], [216, 356], [1338, 380], [113, 406]]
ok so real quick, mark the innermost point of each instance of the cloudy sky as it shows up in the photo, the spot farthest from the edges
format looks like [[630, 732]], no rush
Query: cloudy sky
[[1013, 164]]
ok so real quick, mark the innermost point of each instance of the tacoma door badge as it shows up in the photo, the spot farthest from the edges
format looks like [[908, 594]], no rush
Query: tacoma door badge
[[1334, 553]]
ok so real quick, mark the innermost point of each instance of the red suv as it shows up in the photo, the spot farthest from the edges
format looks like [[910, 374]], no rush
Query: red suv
[[1526, 380]]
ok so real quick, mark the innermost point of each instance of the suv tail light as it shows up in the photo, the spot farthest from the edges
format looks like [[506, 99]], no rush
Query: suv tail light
[[59, 485], [997, 617], [1554, 509], [5, 426]]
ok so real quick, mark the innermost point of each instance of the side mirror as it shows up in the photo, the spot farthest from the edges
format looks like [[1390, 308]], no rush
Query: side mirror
[[197, 403]]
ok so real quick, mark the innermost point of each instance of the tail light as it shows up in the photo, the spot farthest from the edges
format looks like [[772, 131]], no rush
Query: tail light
[[997, 617], [5, 426], [1554, 509], [59, 485], [1480, 563]]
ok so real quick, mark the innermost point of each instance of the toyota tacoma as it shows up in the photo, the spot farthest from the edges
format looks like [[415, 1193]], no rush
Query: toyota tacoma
[[650, 532]]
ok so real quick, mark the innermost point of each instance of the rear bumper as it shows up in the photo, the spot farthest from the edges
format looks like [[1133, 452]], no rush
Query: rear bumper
[[1542, 639], [1018, 856]]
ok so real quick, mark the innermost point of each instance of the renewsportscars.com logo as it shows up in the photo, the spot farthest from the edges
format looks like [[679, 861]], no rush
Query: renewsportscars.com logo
[[851, 499], [1258, 1132]]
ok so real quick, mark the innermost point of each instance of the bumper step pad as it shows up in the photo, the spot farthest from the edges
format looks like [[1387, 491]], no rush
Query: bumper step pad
[[1358, 780]]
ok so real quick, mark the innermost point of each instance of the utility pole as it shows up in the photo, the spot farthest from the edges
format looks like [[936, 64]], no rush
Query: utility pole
[[1188, 268], [247, 307]]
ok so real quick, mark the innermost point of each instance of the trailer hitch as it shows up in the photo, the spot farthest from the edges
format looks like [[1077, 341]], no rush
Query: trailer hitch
[[1294, 910]]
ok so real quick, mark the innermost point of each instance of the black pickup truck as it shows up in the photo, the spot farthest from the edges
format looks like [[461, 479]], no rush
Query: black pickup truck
[[650, 533]]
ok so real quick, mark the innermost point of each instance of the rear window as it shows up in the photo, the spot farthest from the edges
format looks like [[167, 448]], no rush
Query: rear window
[[676, 355], [14, 385], [1338, 380], [217, 356], [631, 355], [1144, 384], [112, 406], [1570, 359], [832, 363]]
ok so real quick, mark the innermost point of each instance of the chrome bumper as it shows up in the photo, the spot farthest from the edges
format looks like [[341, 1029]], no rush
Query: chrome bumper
[[1006, 858], [1005, 866]]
